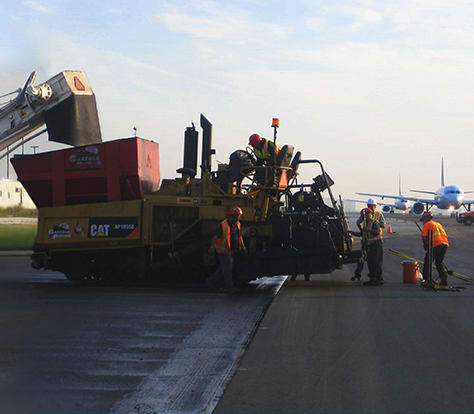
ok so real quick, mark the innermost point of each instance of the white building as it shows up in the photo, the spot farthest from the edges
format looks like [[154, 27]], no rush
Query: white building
[[12, 193]]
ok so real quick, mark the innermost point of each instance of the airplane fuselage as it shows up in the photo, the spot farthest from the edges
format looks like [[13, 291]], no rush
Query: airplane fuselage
[[401, 204], [450, 196]]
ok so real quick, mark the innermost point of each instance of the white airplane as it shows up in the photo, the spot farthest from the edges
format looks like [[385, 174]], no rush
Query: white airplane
[[400, 203], [447, 197]]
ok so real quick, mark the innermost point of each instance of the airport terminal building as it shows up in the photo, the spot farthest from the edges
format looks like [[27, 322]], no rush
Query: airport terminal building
[[12, 194]]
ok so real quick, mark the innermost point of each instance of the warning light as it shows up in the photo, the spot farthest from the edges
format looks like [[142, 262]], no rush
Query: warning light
[[78, 84], [275, 123]]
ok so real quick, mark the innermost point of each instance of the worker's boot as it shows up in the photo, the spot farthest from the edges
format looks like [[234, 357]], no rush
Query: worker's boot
[[356, 278]]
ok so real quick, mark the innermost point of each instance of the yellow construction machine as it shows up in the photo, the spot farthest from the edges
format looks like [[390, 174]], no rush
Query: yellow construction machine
[[103, 215]]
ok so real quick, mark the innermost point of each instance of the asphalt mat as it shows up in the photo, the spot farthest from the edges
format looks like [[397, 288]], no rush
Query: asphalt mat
[[330, 345]]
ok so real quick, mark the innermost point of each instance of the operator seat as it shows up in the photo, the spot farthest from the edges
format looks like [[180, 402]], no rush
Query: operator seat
[[284, 156]]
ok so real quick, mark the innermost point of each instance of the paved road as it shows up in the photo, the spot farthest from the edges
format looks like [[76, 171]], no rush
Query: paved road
[[333, 346], [68, 348]]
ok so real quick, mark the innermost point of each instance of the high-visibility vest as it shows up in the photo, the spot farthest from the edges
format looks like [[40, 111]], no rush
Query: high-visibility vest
[[375, 218], [222, 244], [439, 234], [264, 153]]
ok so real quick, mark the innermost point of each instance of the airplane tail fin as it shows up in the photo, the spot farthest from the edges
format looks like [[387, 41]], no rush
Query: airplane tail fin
[[442, 172]]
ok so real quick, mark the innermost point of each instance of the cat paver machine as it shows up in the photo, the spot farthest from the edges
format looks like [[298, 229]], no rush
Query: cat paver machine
[[105, 216], [139, 233]]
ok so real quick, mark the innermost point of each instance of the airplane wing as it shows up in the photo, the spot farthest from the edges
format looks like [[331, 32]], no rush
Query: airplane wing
[[421, 200], [365, 201], [424, 192], [382, 196]]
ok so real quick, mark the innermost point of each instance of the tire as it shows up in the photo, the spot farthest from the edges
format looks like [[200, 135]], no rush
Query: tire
[[467, 221]]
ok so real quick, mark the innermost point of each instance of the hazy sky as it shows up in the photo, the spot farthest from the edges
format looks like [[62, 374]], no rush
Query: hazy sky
[[373, 89]]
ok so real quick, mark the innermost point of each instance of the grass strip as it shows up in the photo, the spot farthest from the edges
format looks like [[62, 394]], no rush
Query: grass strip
[[17, 236]]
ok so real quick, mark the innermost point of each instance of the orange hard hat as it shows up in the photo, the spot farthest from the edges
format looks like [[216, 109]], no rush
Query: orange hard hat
[[235, 211], [254, 139]]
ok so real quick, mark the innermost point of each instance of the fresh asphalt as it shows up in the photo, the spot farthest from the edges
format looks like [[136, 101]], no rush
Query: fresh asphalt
[[69, 348], [333, 346]]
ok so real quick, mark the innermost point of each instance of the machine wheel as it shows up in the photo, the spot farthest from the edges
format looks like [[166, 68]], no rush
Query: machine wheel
[[467, 221]]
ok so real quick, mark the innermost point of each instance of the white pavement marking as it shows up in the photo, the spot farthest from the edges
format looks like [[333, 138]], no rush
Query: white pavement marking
[[194, 378]]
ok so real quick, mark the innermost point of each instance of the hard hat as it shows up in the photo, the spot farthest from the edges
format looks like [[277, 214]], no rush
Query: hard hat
[[254, 139], [371, 202], [235, 211], [426, 215]]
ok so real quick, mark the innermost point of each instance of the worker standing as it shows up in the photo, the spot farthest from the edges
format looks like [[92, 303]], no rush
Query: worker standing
[[227, 241], [440, 246], [264, 149], [360, 264], [370, 224], [372, 231]]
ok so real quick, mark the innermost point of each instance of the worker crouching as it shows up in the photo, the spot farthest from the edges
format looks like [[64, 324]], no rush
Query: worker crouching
[[227, 241], [265, 150]]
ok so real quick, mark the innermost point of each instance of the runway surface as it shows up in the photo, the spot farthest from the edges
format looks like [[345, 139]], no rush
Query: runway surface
[[328, 345], [334, 346], [67, 348]]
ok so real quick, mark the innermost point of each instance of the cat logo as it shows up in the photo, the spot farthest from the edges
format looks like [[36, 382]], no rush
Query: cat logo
[[100, 230]]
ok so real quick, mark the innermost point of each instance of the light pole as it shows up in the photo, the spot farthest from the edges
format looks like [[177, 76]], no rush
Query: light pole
[[8, 164]]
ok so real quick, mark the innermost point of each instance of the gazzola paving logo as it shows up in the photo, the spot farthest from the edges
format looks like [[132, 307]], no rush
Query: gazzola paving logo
[[59, 231]]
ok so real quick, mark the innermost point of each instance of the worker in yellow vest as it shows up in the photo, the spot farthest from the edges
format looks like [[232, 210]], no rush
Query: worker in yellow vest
[[370, 223], [440, 245], [264, 149], [227, 241]]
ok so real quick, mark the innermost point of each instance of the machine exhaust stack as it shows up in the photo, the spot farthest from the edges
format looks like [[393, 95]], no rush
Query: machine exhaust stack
[[190, 149], [207, 150]]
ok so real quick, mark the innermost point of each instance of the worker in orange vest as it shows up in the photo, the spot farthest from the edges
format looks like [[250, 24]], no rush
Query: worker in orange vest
[[440, 245], [227, 241], [264, 149]]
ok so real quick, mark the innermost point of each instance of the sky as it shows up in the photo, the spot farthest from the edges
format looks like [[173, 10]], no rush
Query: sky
[[373, 89]]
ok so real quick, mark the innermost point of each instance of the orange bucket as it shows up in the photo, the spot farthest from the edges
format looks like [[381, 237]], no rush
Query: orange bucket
[[410, 271]]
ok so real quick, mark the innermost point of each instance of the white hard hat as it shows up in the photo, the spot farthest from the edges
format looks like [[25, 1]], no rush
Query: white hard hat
[[371, 202]]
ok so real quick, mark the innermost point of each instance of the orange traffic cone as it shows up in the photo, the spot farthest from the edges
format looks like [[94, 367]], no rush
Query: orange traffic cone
[[390, 229]]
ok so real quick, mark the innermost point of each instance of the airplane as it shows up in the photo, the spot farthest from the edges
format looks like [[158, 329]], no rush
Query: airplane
[[447, 197], [400, 203]]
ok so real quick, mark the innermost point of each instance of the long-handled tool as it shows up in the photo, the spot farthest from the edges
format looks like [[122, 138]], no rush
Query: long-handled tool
[[450, 272]]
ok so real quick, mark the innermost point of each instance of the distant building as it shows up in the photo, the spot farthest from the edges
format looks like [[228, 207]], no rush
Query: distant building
[[12, 193]]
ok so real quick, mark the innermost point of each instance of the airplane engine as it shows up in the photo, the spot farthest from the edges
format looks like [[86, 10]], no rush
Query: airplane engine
[[418, 208], [386, 209]]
